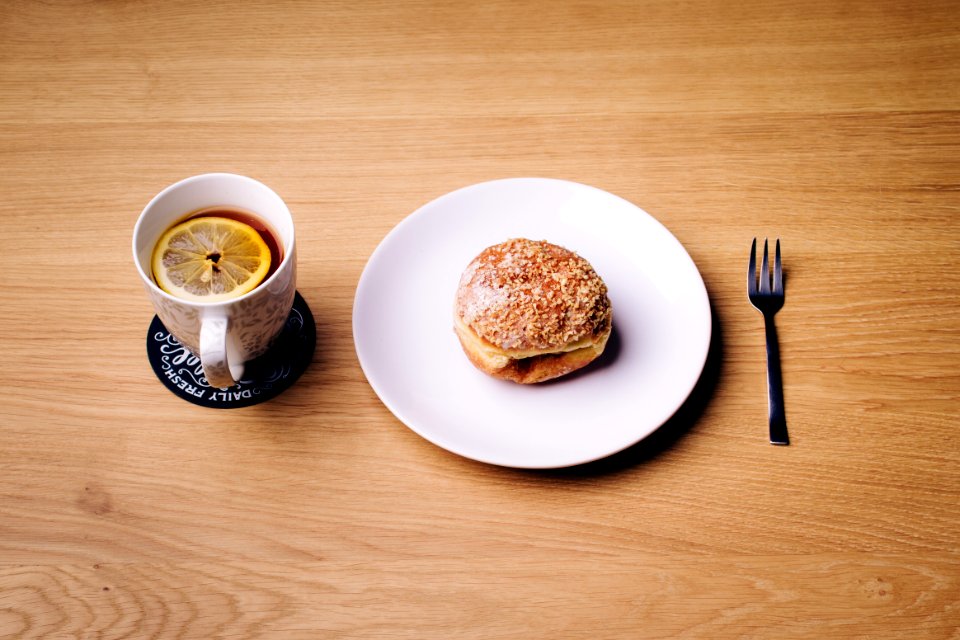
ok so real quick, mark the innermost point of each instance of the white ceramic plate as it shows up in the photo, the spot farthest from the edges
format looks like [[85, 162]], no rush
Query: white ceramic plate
[[402, 326]]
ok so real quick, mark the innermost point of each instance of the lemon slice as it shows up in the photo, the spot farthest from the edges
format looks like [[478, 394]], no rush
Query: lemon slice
[[210, 259]]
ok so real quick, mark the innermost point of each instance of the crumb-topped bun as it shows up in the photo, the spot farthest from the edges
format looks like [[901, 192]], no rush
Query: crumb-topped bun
[[530, 311]]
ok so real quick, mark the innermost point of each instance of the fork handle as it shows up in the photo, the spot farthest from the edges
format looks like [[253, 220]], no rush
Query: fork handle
[[778, 419]]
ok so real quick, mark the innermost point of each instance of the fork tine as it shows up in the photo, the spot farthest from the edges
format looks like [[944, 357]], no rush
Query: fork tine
[[777, 272], [752, 270], [764, 271]]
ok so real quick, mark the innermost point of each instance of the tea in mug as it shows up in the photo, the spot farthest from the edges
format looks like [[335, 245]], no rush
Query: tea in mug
[[215, 254]]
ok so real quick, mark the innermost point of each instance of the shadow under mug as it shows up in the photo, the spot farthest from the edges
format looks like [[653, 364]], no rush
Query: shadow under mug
[[227, 334]]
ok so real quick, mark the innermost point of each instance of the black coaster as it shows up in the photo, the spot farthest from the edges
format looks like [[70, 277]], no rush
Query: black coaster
[[263, 378]]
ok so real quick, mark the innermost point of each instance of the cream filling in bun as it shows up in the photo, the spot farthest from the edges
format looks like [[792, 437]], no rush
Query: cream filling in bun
[[497, 358]]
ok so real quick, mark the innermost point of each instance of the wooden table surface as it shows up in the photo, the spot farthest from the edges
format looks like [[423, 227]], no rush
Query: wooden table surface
[[126, 512]]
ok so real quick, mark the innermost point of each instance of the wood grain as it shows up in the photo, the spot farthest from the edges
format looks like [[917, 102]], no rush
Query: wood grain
[[127, 513], [490, 597]]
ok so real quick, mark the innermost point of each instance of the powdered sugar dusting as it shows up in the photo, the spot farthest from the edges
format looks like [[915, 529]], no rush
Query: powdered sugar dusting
[[524, 294]]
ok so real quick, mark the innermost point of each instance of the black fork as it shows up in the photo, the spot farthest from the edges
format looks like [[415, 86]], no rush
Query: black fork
[[768, 299]]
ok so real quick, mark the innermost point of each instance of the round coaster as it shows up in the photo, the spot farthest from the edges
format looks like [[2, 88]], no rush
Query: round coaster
[[263, 378]]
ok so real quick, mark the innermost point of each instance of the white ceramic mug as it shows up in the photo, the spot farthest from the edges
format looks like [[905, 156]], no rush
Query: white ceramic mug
[[224, 335]]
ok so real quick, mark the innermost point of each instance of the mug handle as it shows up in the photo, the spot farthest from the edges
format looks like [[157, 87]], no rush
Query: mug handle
[[213, 353]]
